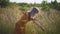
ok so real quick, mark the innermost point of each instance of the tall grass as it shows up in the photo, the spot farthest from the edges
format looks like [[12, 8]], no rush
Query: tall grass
[[50, 20]]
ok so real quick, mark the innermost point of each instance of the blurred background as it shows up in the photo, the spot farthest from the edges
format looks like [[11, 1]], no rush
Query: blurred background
[[12, 10]]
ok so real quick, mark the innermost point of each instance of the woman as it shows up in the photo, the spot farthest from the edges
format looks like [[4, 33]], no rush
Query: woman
[[29, 15]]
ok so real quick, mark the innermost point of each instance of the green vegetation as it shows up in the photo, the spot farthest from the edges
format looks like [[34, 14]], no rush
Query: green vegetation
[[53, 5], [44, 5], [4, 3]]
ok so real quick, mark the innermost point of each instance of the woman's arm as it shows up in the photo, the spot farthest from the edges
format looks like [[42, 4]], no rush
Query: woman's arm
[[38, 24]]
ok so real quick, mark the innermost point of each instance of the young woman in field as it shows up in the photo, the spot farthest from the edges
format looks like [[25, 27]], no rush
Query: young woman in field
[[29, 15]]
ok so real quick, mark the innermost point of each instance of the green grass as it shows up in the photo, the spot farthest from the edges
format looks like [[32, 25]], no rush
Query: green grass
[[49, 20]]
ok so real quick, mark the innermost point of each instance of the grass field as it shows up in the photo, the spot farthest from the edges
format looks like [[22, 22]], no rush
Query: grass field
[[50, 20]]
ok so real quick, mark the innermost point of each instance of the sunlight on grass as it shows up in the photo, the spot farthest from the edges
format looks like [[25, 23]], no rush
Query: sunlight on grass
[[49, 20]]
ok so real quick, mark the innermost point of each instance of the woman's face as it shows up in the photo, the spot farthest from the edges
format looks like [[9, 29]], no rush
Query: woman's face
[[33, 13], [33, 17]]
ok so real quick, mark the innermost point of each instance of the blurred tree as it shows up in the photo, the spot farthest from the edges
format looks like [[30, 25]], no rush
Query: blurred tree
[[44, 5], [4, 3], [55, 5]]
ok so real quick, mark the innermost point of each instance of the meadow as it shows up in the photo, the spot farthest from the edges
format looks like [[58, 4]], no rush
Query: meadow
[[49, 17]]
